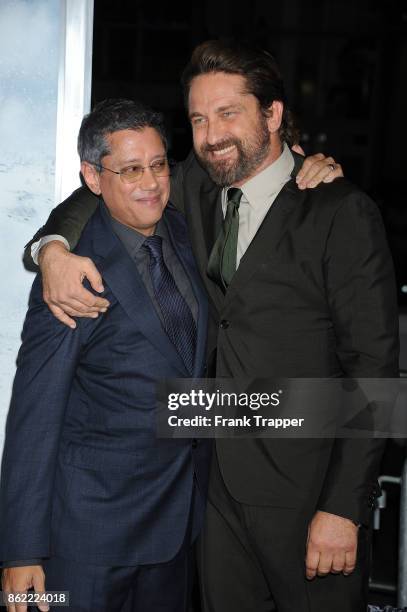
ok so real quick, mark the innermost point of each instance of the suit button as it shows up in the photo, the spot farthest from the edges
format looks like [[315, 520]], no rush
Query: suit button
[[224, 324], [194, 443]]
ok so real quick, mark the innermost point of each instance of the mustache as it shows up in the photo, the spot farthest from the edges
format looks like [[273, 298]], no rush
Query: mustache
[[218, 146]]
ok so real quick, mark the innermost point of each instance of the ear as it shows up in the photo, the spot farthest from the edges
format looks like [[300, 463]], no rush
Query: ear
[[275, 116], [92, 177]]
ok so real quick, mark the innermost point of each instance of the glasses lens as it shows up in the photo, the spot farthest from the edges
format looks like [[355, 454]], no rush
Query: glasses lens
[[132, 174], [160, 167]]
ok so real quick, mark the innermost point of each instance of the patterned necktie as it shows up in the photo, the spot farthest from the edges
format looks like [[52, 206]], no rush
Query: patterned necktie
[[178, 320], [222, 260]]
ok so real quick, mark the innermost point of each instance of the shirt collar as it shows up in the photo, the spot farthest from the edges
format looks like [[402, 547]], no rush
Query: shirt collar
[[259, 189], [133, 240]]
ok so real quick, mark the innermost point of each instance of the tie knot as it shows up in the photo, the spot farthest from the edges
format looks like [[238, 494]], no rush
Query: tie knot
[[154, 245], [234, 196]]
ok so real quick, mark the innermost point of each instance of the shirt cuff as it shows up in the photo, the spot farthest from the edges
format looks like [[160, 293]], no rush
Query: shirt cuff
[[21, 563], [37, 246]]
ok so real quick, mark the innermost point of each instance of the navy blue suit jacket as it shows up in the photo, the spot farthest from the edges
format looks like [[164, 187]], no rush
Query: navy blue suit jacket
[[83, 475]]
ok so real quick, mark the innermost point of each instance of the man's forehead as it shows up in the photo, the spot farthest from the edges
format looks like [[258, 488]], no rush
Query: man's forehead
[[218, 89], [139, 141], [134, 134]]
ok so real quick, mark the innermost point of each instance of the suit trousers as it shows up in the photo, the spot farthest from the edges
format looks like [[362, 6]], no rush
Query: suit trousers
[[252, 559], [159, 588], [162, 587]]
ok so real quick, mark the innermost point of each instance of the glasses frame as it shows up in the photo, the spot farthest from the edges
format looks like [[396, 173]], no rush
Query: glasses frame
[[121, 173]]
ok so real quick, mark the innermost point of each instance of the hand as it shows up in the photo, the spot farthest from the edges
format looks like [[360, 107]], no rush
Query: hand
[[19, 580], [316, 169], [331, 546], [62, 274]]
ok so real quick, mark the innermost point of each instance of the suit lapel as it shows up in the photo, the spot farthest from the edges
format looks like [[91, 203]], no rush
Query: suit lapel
[[266, 241], [122, 276], [203, 209], [179, 238]]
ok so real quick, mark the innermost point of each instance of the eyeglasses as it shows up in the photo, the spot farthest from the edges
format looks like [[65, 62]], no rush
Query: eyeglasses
[[132, 174]]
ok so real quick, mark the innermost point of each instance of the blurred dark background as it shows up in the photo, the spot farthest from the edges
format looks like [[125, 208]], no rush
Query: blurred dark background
[[344, 63], [345, 68]]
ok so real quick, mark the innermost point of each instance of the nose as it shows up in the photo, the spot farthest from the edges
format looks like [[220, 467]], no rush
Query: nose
[[214, 131], [148, 181]]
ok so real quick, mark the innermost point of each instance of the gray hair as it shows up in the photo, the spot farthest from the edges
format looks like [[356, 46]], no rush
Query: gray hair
[[111, 116]]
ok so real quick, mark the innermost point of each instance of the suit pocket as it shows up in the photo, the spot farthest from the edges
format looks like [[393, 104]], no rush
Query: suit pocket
[[102, 459], [112, 486], [97, 500], [104, 485], [149, 459]]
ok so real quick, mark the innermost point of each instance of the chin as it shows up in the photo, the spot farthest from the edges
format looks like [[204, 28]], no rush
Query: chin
[[221, 165], [150, 224]]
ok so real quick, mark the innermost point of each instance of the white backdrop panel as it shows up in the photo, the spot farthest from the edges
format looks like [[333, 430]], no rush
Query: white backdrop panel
[[41, 41]]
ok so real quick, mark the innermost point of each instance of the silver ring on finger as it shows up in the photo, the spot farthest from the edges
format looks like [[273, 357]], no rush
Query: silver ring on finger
[[332, 167]]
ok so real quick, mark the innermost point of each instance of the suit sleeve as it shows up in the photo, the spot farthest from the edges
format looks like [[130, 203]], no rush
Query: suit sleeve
[[361, 292], [68, 220], [45, 369]]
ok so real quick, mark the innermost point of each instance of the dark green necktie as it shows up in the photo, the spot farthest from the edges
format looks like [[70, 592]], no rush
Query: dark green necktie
[[222, 260]]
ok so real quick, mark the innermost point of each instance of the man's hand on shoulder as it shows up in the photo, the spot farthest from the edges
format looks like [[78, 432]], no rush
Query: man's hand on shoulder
[[316, 169], [19, 580], [331, 546], [62, 277]]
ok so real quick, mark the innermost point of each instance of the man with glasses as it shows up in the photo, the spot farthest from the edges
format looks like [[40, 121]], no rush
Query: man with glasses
[[89, 497]]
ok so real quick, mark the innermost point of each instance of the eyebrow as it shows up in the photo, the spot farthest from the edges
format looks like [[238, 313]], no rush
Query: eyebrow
[[220, 109], [226, 107], [139, 161], [195, 114]]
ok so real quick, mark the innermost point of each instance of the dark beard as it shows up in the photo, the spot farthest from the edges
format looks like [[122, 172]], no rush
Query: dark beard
[[249, 158]]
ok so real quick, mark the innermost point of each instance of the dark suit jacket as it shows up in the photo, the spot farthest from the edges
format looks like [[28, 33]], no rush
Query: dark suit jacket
[[314, 296], [83, 474]]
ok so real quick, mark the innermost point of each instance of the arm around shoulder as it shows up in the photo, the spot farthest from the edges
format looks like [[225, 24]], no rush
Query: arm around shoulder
[[68, 220]]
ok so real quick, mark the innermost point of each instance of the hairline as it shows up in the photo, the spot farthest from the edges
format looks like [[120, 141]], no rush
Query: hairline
[[132, 129], [245, 92]]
